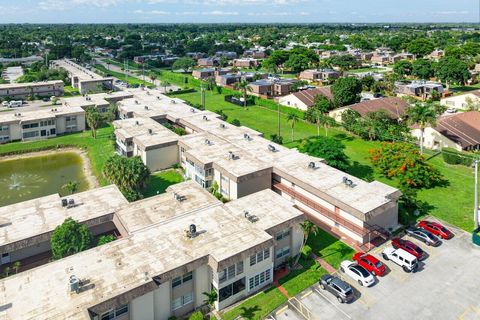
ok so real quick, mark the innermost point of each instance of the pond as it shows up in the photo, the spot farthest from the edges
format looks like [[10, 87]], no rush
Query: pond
[[27, 178]]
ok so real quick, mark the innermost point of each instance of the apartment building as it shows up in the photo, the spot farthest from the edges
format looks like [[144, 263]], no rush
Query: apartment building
[[419, 89], [240, 162], [101, 101], [24, 90], [245, 63], [40, 124], [208, 62], [270, 87], [462, 101], [177, 245], [85, 80], [319, 75]]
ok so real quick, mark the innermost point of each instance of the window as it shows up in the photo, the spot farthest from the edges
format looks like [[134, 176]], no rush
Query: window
[[283, 252], [259, 279], [282, 234], [230, 272], [3, 128], [182, 279], [259, 257], [113, 314], [182, 301], [231, 289], [30, 134]]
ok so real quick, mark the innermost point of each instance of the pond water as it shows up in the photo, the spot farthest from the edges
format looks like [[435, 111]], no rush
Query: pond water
[[32, 177]]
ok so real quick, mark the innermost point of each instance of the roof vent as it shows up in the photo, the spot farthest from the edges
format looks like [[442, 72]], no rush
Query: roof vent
[[64, 202], [205, 118], [250, 217], [74, 283], [158, 98], [231, 156], [222, 125], [146, 107], [150, 131], [71, 203], [136, 101], [178, 197], [208, 142], [191, 232], [272, 148], [312, 165], [348, 182], [246, 136], [173, 101], [137, 123], [192, 110]]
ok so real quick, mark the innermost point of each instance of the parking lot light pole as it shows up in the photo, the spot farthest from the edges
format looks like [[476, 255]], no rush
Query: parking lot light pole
[[475, 208]]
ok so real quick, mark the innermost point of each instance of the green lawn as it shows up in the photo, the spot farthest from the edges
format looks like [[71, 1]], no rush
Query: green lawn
[[98, 149], [160, 181], [119, 75], [300, 279], [360, 70], [329, 248], [461, 89], [258, 306], [70, 91]]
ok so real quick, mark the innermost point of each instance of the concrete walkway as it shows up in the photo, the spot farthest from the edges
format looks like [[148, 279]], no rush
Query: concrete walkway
[[277, 276], [325, 265]]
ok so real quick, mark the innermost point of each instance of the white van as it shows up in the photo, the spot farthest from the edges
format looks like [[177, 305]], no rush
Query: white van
[[404, 259], [15, 104]]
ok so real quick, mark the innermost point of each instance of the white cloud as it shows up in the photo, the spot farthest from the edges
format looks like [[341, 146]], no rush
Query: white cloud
[[220, 13], [155, 12]]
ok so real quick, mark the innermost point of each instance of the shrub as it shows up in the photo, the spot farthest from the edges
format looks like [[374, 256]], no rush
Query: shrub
[[236, 122], [197, 315], [306, 252], [105, 239], [69, 238], [452, 156]]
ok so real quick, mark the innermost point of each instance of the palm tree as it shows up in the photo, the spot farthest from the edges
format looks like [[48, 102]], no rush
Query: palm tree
[[293, 119], [422, 115], [94, 120], [152, 77], [320, 113], [71, 186], [308, 228], [16, 266], [165, 84], [243, 86], [210, 298]]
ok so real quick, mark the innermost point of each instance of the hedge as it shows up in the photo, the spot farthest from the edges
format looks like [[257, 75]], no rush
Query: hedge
[[452, 156], [272, 105], [189, 90]]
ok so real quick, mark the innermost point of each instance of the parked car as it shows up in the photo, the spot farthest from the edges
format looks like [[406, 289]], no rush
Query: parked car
[[15, 104], [357, 273], [6, 104], [451, 110], [436, 228], [408, 246], [339, 288], [406, 260], [423, 235], [369, 262]]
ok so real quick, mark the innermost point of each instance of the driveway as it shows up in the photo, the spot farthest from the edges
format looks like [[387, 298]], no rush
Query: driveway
[[445, 287]]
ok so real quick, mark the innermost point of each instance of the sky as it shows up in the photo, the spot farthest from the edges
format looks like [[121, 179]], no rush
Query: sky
[[237, 11]]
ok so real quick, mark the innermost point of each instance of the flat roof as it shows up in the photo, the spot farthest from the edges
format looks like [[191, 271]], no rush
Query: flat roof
[[30, 84], [146, 132], [30, 218], [82, 73], [97, 99], [18, 115], [162, 249]]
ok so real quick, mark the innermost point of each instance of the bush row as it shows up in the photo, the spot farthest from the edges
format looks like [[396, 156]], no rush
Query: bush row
[[452, 156]]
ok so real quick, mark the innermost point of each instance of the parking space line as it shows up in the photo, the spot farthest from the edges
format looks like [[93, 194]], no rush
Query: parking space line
[[333, 304]]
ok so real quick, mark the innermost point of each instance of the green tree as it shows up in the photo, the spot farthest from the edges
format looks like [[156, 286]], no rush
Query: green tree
[[318, 114], [422, 115], [403, 68], [129, 174], [368, 82], [94, 120], [308, 228], [197, 315], [422, 69], [244, 87], [16, 266], [210, 298], [452, 70], [297, 63], [71, 186], [186, 64], [329, 149], [293, 119], [165, 84], [344, 62], [421, 47], [69, 238], [346, 91]]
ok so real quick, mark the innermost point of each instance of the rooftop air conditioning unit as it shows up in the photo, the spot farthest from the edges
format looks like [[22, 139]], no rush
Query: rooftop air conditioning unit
[[207, 142], [173, 101], [71, 203], [192, 110], [137, 123], [205, 118], [246, 136], [222, 125], [250, 217], [150, 131], [136, 101], [272, 148], [312, 165], [64, 202], [146, 107], [231, 155], [191, 232], [158, 97], [348, 182], [74, 283]]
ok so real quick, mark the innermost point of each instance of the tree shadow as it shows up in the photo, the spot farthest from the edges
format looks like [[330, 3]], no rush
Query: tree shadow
[[249, 312], [361, 171], [343, 137]]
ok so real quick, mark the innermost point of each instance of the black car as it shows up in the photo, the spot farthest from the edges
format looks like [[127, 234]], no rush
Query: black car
[[339, 288], [423, 235]]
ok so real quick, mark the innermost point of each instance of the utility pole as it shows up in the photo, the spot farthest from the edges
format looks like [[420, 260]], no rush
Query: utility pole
[[202, 90], [475, 209], [278, 120], [143, 72]]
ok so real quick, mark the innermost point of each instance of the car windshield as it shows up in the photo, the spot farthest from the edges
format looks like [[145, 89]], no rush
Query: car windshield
[[348, 291], [431, 236], [444, 229], [418, 250], [378, 264]]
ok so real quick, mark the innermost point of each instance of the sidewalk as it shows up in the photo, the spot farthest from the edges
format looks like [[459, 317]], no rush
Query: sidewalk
[[277, 276]]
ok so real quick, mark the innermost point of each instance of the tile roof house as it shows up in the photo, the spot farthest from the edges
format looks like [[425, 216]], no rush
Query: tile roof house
[[460, 131], [394, 106], [305, 98]]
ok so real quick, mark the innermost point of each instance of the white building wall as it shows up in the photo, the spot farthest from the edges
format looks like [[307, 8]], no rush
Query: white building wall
[[459, 102], [161, 302], [202, 277], [432, 139], [143, 307], [160, 159], [292, 102]]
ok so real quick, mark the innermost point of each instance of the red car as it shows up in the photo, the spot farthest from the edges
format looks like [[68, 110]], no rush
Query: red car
[[369, 262], [436, 228], [408, 246]]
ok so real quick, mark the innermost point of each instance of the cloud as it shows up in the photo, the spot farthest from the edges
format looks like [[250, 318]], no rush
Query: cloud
[[153, 12], [220, 13], [60, 5]]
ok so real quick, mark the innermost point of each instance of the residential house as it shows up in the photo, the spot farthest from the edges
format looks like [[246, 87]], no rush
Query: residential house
[[31, 89], [395, 107], [462, 101], [420, 89], [245, 63], [304, 99], [324, 75], [208, 62]]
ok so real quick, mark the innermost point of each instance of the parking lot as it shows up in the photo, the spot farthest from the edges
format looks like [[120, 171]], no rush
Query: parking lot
[[446, 286]]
